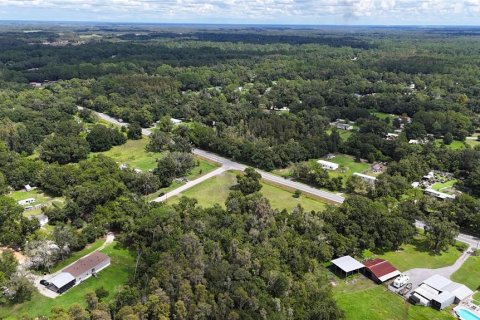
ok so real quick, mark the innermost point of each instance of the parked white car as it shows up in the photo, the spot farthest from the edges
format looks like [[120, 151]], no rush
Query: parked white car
[[401, 280]]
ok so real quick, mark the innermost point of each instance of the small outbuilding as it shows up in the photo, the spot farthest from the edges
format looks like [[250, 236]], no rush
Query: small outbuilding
[[380, 270], [24, 202], [347, 265], [366, 178]]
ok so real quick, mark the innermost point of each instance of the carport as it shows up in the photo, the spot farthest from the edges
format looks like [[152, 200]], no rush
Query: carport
[[347, 265]]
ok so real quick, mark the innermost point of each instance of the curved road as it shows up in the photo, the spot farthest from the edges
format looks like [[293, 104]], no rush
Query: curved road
[[227, 164]]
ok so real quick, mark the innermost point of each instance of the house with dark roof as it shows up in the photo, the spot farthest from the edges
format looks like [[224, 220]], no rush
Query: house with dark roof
[[77, 272], [380, 270], [88, 266]]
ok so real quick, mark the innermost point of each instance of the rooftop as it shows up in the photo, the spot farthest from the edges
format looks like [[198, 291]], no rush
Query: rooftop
[[382, 269], [61, 279], [347, 264], [87, 263]]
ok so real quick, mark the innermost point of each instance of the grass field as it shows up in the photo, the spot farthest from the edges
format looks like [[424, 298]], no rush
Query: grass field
[[469, 274], [365, 300], [439, 186], [344, 134], [216, 190], [347, 166], [417, 255], [39, 197], [134, 154], [476, 298], [455, 145], [473, 143], [111, 278], [382, 115]]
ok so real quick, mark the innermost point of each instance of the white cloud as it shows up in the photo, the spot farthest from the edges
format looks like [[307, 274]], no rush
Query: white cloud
[[248, 10]]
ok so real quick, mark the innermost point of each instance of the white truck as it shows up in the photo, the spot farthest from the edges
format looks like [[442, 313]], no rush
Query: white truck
[[401, 280]]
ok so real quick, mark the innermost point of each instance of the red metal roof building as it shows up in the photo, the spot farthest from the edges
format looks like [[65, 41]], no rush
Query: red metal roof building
[[380, 270]]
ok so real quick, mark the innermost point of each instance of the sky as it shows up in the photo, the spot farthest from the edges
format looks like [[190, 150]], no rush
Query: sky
[[316, 12]]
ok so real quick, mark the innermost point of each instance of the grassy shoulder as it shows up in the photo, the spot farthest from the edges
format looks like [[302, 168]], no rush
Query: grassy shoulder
[[469, 274], [216, 190], [111, 278], [417, 255], [363, 299]]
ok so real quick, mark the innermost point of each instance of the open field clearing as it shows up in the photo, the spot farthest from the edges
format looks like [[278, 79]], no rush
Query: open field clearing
[[216, 190]]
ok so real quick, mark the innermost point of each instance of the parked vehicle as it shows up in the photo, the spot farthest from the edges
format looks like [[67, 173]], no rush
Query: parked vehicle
[[401, 280], [44, 282]]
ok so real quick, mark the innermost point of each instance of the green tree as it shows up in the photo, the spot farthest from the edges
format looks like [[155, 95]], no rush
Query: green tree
[[173, 165], [249, 181], [134, 131], [440, 233], [102, 138], [63, 150]]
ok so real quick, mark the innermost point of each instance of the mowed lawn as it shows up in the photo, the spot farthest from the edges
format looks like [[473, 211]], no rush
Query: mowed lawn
[[439, 185], [134, 154], [363, 300], [417, 255], [216, 190], [469, 274], [348, 166], [111, 278], [455, 145], [40, 199], [36, 194]]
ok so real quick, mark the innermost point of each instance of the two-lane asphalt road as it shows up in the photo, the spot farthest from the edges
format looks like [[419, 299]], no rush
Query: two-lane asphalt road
[[227, 164], [472, 241]]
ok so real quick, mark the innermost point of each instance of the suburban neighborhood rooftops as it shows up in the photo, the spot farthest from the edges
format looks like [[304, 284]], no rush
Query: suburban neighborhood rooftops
[[347, 264], [382, 269], [61, 279], [87, 263]]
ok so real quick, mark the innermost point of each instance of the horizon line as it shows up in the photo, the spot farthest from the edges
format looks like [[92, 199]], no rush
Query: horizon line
[[235, 24]]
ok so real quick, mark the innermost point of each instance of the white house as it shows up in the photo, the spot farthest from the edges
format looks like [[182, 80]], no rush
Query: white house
[[327, 165], [175, 121], [87, 266], [344, 126], [365, 177], [26, 201], [392, 136], [439, 195], [28, 188]]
